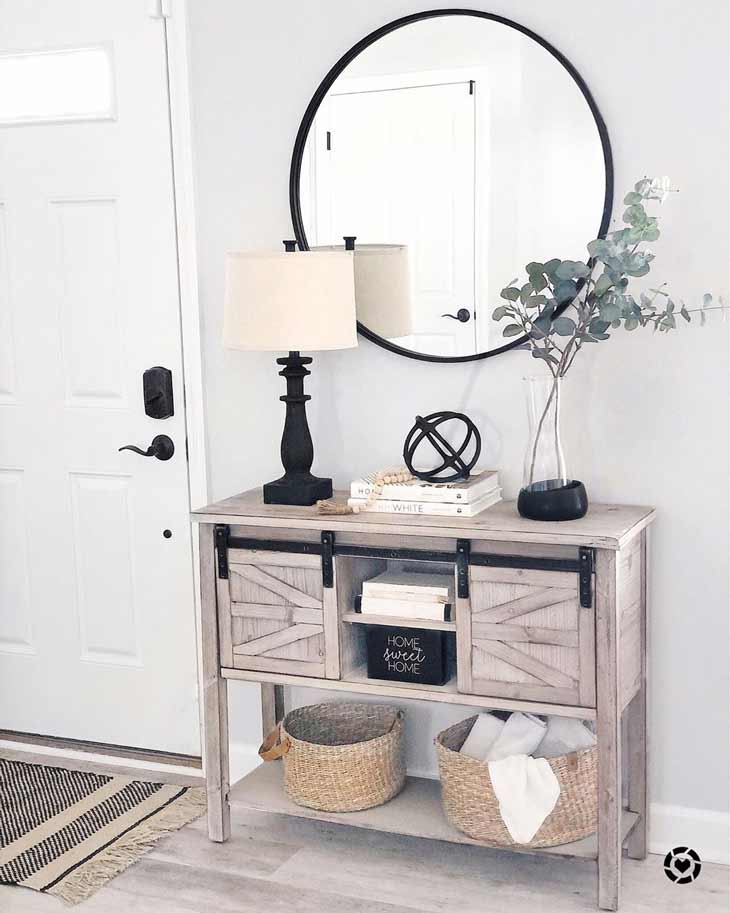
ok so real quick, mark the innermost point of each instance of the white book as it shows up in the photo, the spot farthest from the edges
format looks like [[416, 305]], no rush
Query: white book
[[425, 509], [480, 483], [404, 608], [414, 587]]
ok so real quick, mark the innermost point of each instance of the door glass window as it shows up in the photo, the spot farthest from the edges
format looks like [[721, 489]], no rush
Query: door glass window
[[64, 85]]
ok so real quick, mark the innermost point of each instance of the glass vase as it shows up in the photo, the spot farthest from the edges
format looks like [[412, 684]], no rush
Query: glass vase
[[548, 491]]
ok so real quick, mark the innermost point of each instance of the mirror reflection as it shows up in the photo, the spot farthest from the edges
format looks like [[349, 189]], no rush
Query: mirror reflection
[[468, 147]]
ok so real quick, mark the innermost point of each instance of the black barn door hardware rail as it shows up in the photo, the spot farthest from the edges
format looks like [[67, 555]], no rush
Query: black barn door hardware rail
[[463, 558]]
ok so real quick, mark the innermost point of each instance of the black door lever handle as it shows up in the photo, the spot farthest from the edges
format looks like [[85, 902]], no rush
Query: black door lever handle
[[462, 315], [161, 447]]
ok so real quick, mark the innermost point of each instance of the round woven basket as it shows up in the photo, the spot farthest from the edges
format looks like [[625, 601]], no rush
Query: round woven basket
[[340, 757], [471, 805]]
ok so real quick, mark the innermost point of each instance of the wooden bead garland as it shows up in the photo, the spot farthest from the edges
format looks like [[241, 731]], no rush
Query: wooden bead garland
[[383, 477]]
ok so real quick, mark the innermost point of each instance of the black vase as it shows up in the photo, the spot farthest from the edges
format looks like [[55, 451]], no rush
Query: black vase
[[553, 500]]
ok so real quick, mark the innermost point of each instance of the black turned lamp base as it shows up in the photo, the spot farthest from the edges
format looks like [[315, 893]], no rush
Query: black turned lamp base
[[302, 489]]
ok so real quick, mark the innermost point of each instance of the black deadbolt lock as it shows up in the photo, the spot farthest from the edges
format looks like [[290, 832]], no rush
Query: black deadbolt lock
[[157, 390]]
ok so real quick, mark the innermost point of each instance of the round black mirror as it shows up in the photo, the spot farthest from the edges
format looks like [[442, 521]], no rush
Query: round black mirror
[[465, 146]]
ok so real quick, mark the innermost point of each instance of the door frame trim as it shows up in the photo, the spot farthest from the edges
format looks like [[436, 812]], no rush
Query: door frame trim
[[177, 47]]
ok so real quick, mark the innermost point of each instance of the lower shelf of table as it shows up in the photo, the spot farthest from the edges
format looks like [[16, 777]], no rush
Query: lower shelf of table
[[415, 812]]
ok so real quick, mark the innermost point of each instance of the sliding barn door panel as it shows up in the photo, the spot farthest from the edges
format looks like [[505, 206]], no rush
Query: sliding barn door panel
[[530, 637], [271, 613]]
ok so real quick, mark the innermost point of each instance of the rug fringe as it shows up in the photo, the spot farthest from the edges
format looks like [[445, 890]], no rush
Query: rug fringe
[[94, 874]]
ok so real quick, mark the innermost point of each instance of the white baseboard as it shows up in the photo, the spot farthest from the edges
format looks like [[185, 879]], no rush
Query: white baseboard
[[705, 831]]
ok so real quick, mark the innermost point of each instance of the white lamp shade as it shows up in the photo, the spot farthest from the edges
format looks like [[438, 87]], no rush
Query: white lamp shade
[[382, 288], [290, 301]]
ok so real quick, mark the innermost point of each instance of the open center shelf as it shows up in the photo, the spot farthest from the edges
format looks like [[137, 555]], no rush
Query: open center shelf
[[415, 812], [425, 624]]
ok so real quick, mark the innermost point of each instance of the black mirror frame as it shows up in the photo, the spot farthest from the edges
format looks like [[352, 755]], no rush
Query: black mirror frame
[[326, 85]]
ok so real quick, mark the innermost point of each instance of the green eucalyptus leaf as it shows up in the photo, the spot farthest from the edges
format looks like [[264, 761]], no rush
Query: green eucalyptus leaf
[[632, 197], [706, 300], [500, 312], [536, 301], [551, 265], [685, 313], [598, 326], [572, 269], [510, 293], [544, 356], [603, 284], [631, 323], [512, 329], [565, 291], [538, 281], [525, 292], [564, 326]]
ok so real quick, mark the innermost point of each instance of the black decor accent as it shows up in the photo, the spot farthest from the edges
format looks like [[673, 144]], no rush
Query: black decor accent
[[568, 502], [454, 465], [407, 655], [295, 170], [297, 485]]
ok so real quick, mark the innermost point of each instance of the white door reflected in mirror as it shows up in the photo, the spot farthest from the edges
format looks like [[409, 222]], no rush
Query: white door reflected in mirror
[[471, 144]]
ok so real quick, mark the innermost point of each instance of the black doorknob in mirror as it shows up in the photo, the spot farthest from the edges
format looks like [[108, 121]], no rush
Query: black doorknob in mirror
[[462, 315], [161, 447]]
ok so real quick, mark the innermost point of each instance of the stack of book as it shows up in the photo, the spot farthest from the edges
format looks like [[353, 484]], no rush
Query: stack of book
[[400, 594], [436, 499]]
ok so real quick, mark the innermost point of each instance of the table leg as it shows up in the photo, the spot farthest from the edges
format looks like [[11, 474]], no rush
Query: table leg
[[608, 731], [636, 736], [214, 698]]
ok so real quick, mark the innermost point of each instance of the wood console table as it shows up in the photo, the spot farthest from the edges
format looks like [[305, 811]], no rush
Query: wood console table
[[550, 618]]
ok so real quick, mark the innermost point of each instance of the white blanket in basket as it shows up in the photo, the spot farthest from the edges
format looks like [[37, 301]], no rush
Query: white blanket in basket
[[527, 791]]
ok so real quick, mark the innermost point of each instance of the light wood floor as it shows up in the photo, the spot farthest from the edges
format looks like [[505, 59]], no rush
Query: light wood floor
[[281, 865]]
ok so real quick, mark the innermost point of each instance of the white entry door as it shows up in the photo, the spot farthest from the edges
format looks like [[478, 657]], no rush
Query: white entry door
[[396, 166], [97, 636]]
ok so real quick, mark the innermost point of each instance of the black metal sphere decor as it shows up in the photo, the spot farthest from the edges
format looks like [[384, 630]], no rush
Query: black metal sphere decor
[[455, 462]]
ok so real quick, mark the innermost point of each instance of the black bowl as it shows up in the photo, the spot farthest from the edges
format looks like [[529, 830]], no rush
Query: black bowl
[[564, 502]]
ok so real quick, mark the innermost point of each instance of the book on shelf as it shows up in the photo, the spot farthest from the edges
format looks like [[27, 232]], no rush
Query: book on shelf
[[414, 586], [481, 482], [425, 508], [403, 608]]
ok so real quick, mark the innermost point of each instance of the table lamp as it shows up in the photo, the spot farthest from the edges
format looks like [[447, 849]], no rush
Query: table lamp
[[291, 301]]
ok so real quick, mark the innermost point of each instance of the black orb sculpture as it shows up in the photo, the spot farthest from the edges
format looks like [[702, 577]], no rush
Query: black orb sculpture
[[456, 462]]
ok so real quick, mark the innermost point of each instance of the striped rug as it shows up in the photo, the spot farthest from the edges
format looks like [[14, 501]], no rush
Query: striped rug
[[68, 832]]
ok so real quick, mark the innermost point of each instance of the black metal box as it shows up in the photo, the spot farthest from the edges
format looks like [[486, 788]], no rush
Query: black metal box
[[407, 655]]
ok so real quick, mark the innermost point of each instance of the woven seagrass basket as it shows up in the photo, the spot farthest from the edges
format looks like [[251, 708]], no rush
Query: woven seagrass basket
[[472, 807], [340, 757]]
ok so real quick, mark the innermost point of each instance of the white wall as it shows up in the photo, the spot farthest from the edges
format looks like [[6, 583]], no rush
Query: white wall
[[649, 422]]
